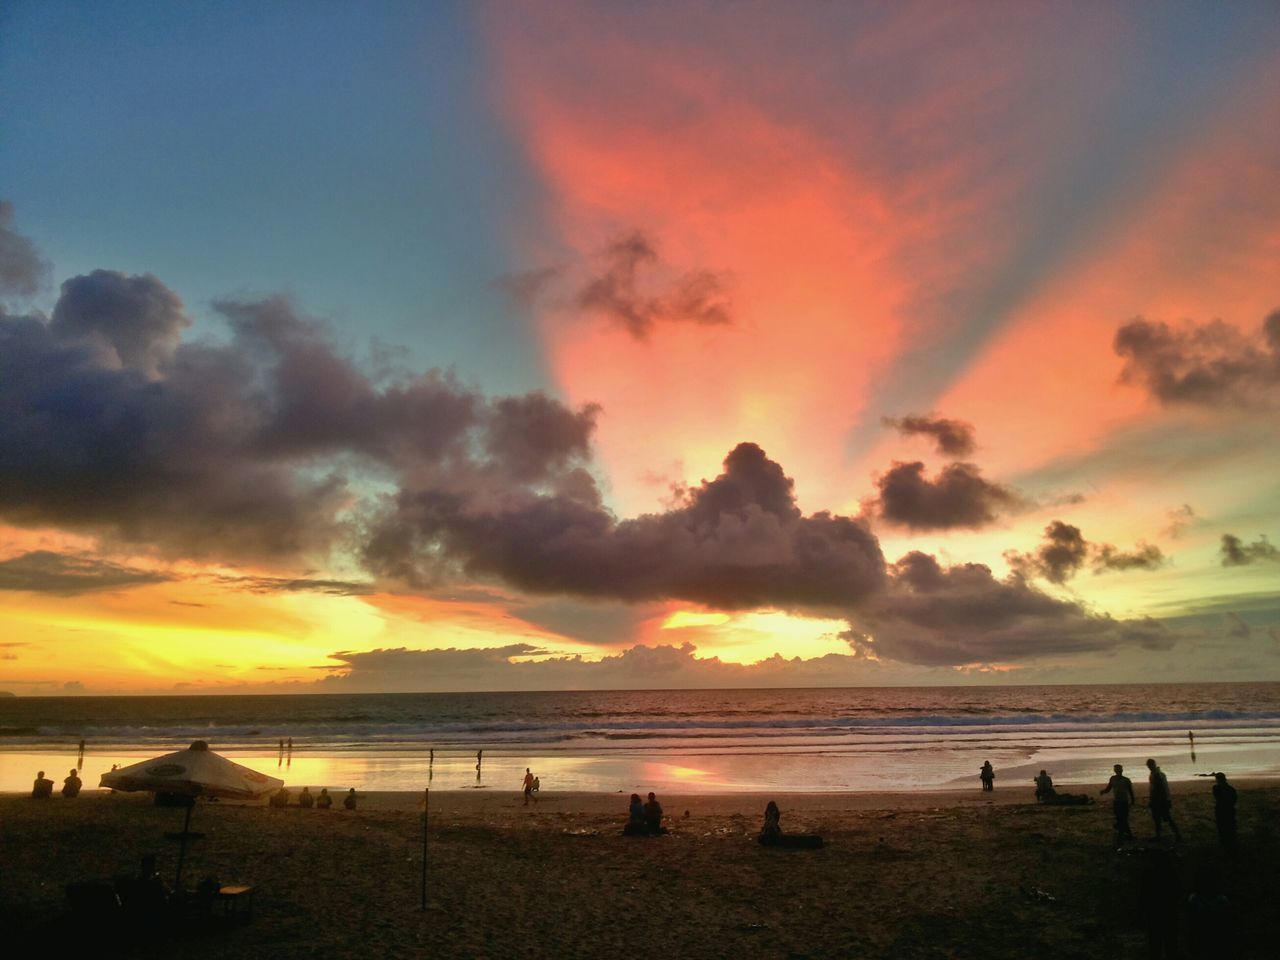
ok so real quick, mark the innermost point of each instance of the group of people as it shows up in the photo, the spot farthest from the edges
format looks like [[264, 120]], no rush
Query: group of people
[[1123, 799], [644, 819], [307, 800], [42, 789]]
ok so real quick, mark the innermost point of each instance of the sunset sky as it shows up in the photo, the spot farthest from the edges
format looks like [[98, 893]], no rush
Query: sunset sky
[[405, 346]]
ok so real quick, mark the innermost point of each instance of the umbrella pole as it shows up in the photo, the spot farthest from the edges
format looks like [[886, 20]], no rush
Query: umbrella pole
[[426, 810], [182, 847]]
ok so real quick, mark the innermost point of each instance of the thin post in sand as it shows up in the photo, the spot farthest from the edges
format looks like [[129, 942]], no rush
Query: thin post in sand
[[426, 812]]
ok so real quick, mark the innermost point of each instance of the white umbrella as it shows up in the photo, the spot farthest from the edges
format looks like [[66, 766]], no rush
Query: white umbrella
[[194, 772]]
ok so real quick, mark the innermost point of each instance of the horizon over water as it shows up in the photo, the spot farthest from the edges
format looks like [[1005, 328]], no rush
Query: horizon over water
[[673, 741]]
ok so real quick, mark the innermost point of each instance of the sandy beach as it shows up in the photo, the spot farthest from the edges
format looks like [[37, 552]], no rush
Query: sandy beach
[[943, 874]]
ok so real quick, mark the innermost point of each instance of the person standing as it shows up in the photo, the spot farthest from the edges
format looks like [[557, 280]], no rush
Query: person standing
[[988, 776], [1224, 812], [1161, 800], [528, 786], [1122, 799]]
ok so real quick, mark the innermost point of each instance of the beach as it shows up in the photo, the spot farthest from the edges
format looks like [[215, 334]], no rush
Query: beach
[[955, 873]]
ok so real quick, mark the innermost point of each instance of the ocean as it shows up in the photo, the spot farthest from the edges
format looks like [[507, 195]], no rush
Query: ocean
[[672, 741]]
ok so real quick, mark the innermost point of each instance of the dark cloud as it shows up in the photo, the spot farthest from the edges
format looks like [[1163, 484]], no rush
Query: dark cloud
[[959, 615], [136, 317], [600, 623], [334, 588], [1236, 553], [620, 294], [22, 270], [959, 497], [1210, 364], [953, 438], [1144, 556], [111, 424], [1065, 551], [42, 571], [735, 542]]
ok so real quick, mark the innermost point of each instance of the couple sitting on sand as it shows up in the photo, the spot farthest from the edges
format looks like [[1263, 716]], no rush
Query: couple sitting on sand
[[645, 818]]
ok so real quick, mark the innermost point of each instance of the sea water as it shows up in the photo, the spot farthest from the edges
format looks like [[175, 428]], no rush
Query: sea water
[[692, 741]]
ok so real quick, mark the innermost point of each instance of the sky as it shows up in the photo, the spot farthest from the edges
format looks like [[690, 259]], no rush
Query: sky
[[396, 346]]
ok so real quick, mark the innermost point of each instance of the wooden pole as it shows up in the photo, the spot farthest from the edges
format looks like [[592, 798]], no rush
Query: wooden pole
[[182, 847], [426, 811]]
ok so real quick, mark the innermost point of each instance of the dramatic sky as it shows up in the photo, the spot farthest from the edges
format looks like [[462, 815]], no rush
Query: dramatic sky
[[403, 346]]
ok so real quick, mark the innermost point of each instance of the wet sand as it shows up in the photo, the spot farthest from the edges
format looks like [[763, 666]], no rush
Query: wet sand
[[944, 874]]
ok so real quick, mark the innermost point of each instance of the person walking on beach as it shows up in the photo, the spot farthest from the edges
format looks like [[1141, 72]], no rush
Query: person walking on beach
[[80, 756], [1122, 799], [1224, 812], [479, 760], [528, 786], [1161, 800], [988, 777]]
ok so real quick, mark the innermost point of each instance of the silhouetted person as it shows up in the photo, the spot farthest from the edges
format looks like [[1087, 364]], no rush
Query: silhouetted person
[[1211, 933], [479, 760], [1224, 811], [42, 789], [431, 766], [305, 799], [528, 787], [653, 815], [349, 801], [324, 801], [280, 798], [280, 758], [635, 818], [988, 777], [1160, 895], [1044, 788], [71, 786], [80, 756], [1122, 800], [772, 828], [1161, 800]]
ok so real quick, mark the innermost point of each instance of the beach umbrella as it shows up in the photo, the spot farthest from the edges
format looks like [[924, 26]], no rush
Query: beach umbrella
[[194, 772]]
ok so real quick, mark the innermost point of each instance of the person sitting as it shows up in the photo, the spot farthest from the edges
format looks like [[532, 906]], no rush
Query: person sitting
[[324, 801], [349, 801], [653, 816], [772, 829], [71, 785], [42, 789], [280, 798], [771, 834], [305, 799], [635, 818], [1044, 788]]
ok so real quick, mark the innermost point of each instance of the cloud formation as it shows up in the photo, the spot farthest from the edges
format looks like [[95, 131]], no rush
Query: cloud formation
[[935, 615], [22, 269], [1210, 364], [953, 438], [959, 497], [43, 571], [1234, 552], [619, 293], [109, 423], [1065, 551], [736, 542]]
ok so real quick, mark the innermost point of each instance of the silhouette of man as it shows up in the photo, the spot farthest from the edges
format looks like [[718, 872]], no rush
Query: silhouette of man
[[71, 785], [1161, 800], [528, 787], [1122, 799], [988, 776], [1224, 812], [653, 815], [42, 789], [1044, 788]]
